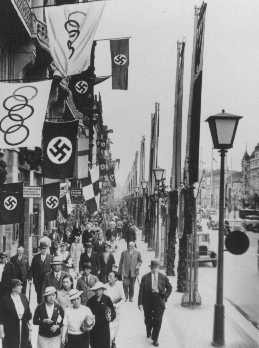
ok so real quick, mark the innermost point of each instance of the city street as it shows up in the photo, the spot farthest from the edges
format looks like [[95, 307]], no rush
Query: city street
[[241, 277]]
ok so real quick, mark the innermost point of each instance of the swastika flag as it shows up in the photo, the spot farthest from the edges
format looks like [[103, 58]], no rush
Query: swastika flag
[[120, 63], [51, 194], [81, 86], [11, 204], [59, 149]]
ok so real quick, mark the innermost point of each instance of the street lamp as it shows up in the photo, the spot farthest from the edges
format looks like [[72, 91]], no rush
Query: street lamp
[[158, 174], [223, 128]]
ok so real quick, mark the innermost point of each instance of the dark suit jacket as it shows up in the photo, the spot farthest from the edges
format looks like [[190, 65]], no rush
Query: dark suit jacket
[[9, 319], [51, 280], [105, 268], [129, 264], [57, 318], [84, 286], [21, 268], [145, 289], [39, 270], [99, 247], [94, 259]]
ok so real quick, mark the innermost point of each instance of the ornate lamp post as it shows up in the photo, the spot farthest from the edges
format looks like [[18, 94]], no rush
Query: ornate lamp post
[[158, 174], [223, 128]]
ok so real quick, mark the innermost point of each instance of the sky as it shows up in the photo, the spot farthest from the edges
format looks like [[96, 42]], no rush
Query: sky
[[230, 74]]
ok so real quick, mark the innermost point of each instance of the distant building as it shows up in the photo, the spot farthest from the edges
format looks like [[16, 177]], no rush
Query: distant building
[[250, 178]]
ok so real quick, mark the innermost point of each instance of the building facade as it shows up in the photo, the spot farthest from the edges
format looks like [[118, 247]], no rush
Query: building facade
[[250, 178]]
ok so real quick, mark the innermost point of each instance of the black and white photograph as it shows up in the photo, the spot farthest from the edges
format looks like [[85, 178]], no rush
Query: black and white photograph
[[129, 173]]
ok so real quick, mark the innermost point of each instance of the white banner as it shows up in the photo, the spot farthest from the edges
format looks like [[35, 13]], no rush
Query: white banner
[[22, 113], [71, 30]]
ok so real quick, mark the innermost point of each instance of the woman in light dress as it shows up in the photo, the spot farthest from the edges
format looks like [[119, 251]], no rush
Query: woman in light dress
[[76, 250], [79, 320], [115, 291]]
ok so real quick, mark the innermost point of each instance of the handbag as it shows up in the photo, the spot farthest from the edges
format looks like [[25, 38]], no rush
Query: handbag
[[87, 324]]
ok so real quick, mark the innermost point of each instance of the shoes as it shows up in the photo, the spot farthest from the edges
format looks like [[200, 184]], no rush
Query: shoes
[[155, 343], [131, 299], [113, 344], [148, 334]]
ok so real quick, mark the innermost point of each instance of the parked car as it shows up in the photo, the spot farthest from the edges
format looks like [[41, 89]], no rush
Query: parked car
[[205, 253], [251, 223]]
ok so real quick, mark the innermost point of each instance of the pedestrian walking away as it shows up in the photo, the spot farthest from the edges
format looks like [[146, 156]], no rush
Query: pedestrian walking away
[[129, 266], [154, 291]]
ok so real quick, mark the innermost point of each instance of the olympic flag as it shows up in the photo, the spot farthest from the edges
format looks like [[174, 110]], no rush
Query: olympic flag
[[22, 112], [71, 30]]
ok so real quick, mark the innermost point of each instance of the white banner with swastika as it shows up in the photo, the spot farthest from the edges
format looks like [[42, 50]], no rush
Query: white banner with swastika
[[22, 112]]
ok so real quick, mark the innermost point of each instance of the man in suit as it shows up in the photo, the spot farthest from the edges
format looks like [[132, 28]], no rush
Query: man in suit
[[21, 267], [154, 291], [131, 235], [56, 275], [40, 266], [89, 256], [130, 263], [86, 282], [99, 245]]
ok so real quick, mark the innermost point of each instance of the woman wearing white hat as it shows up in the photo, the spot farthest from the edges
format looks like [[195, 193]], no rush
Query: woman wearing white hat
[[49, 316], [103, 309], [79, 320]]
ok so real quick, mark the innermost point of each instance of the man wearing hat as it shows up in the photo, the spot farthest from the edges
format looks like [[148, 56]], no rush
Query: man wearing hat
[[40, 266], [154, 291], [130, 263], [55, 276], [86, 282], [89, 256]]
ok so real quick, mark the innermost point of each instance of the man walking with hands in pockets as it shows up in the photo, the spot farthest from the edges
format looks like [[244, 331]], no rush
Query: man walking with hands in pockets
[[154, 291]]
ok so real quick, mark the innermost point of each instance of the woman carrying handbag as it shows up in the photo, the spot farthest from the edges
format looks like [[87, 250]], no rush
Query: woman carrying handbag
[[79, 320]]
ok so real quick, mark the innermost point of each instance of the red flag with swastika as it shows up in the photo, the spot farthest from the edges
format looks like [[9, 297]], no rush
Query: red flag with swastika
[[120, 63], [59, 149], [51, 194], [11, 204]]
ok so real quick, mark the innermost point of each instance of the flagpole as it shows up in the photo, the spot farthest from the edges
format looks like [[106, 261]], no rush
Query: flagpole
[[75, 3], [114, 38]]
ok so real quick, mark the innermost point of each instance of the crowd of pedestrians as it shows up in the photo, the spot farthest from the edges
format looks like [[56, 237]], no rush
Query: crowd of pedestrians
[[79, 288]]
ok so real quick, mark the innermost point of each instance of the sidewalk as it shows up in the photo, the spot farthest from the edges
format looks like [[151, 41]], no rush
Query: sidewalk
[[184, 327]]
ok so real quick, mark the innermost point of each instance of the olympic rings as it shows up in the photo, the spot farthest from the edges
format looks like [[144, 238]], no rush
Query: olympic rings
[[19, 110]]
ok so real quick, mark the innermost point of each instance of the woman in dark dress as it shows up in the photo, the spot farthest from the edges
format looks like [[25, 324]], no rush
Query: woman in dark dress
[[106, 263], [102, 307], [15, 315]]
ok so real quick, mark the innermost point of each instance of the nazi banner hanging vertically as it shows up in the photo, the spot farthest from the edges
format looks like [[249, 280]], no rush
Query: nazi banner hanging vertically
[[194, 114], [51, 194], [11, 204], [111, 177], [22, 112], [120, 63], [81, 86], [71, 30], [59, 149]]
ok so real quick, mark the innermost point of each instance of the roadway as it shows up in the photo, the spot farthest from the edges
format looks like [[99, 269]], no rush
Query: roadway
[[241, 277]]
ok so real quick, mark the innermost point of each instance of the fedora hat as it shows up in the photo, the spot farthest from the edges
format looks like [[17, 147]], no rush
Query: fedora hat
[[88, 245], [87, 265], [57, 260], [74, 293], [154, 263], [98, 285], [49, 290]]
